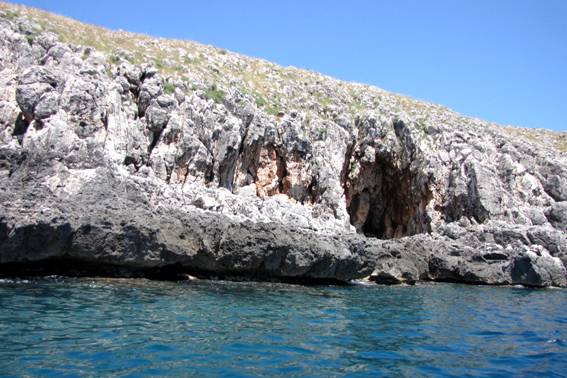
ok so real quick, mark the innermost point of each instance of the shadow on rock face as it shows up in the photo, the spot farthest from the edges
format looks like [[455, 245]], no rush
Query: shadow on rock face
[[387, 206], [385, 196]]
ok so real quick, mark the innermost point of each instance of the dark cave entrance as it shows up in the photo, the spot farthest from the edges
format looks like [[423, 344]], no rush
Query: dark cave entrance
[[21, 127], [385, 201]]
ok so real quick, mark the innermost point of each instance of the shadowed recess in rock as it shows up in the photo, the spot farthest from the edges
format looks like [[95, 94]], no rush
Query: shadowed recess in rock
[[384, 206], [20, 127], [385, 198]]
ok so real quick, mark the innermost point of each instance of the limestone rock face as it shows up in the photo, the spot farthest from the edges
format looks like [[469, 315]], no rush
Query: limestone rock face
[[557, 215], [219, 164]]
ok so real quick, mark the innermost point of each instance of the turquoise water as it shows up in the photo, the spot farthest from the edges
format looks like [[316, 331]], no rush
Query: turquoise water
[[81, 327]]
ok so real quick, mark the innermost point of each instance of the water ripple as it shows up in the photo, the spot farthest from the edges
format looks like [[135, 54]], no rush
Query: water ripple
[[134, 328]]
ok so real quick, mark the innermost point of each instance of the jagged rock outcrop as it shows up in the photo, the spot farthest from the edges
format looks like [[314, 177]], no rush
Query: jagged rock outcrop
[[128, 160]]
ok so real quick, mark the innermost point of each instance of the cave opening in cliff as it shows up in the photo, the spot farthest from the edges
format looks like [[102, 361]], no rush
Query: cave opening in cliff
[[386, 202]]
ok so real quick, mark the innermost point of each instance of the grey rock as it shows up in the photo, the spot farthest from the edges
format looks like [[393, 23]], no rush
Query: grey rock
[[291, 175], [469, 259], [149, 90], [462, 269], [556, 186], [47, 105], [159, 112], [557, 215], [538, 270], [94, 225], [38, 91], [393, 271]]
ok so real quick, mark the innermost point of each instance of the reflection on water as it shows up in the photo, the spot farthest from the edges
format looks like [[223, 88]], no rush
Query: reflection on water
[[75, 327]]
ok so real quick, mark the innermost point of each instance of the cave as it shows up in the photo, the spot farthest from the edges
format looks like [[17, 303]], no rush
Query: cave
[[385, 201]]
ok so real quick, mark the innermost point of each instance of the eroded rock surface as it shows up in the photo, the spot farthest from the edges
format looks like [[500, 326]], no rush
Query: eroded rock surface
[[108, 160]]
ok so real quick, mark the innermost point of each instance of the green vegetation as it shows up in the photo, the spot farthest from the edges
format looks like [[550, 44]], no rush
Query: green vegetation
[[324, 101], [272, 110], [188, 61], [160, 64], [260, 101], [215, 94], [31, 37], [113, 59], [11, 15], [168, 88], [420, 126]]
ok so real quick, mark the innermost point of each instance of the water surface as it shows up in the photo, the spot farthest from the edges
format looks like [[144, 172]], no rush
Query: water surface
[[82, 327]]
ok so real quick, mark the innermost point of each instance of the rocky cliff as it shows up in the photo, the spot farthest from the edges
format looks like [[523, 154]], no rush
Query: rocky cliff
[[122, 154]]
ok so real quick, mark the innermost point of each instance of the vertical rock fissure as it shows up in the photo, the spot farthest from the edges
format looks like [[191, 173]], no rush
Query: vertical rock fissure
[[155, 139], [20, 127]]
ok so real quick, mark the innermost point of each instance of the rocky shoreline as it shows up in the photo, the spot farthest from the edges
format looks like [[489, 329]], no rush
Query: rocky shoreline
[[124, 168]]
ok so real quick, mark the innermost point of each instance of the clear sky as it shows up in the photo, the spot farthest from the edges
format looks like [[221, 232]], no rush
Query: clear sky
[[500, 60]]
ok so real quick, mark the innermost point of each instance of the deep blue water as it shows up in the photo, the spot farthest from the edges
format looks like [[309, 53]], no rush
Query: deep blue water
[[81, 327]]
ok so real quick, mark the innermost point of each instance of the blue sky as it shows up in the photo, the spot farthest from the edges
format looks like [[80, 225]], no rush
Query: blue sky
[[501, 60]]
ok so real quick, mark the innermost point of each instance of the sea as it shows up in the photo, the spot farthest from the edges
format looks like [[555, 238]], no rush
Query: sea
[[80, 327]]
